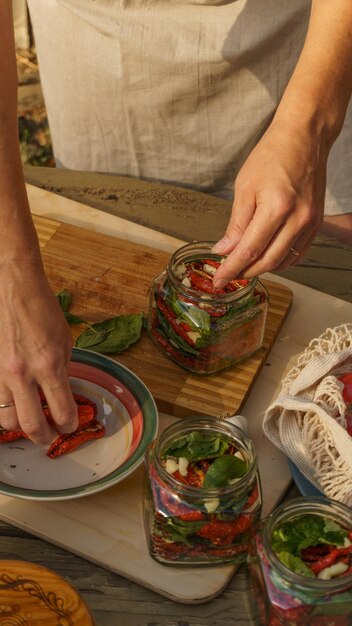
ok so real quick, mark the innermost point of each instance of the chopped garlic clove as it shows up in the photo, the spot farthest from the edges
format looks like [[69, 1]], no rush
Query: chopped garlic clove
[[180, 270], [210, 269], [334, 570], [212, 505], [182, 465], [193, 334], [171, 466]]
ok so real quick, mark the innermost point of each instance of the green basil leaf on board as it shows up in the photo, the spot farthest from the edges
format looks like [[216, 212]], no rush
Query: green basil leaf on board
[[117, 334], [223, 470], [64, 299], [109, 336], [90, 338], [73, 319]]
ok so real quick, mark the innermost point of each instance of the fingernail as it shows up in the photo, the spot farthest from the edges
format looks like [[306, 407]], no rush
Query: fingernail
[[221, 245], [218, 284]]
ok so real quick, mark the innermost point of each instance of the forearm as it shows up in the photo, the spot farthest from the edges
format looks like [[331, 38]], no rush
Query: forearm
[[18, 237], [321, 85]]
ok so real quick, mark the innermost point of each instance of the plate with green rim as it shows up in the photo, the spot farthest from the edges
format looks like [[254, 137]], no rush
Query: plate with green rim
[[125, 407]]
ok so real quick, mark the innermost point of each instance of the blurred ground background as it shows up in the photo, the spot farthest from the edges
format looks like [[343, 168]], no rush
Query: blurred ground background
[[33, 128]]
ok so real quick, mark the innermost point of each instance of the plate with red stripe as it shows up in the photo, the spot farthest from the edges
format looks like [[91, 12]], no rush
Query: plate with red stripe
[[126, 409]]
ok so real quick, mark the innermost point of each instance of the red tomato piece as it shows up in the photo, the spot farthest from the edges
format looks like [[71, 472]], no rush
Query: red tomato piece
[[192, 516], [349, 423], [346, 379], [221, 533]]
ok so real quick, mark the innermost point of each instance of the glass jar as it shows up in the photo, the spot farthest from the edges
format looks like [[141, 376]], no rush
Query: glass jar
[[202, 329], [186, 523], [288, 598]]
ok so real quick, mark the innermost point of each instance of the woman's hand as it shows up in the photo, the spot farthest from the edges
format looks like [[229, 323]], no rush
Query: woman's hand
[[279, 202], [35, 340], [280, 190], [35, 350]]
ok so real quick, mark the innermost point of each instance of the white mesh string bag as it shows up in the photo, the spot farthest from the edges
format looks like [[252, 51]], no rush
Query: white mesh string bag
[[307, 420]]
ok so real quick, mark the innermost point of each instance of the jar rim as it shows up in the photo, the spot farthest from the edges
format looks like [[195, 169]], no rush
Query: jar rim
[[194, 294], [294, 508], [216, 424]]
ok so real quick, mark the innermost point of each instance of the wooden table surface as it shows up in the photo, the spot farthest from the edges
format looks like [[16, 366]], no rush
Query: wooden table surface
[[112, 599]]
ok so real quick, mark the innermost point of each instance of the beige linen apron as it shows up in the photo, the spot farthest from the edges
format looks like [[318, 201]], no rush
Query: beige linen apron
[[172, 90]]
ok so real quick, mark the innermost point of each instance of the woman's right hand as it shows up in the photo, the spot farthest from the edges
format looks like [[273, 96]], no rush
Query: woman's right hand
[[35, 340], [35, 351]]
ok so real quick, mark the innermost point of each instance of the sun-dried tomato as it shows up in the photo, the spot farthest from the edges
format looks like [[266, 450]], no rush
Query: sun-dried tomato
[[221, 533]]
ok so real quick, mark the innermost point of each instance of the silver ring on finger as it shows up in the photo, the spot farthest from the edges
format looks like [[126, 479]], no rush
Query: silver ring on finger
[[294, 252], [7, 404]]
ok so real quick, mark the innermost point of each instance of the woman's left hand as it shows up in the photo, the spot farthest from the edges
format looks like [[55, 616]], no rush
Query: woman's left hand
[[279, 202]]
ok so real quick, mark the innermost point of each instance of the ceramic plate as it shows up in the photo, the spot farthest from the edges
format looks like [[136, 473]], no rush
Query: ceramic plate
[[32, 594], [303, 485], [129, 414]]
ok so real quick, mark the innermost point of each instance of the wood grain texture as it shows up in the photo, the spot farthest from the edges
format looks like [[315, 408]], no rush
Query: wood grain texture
[[114, 600], [45, 229], [31, 595], [107, 528], [108, 276]]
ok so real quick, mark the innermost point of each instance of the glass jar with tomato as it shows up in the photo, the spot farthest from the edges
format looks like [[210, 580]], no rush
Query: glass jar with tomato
[[202, 328], [346, 380], [202, 493], [300, 562]]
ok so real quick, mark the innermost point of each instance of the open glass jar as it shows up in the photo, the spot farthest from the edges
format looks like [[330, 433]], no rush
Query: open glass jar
[[189, 517], [314, 588], [205, 330]]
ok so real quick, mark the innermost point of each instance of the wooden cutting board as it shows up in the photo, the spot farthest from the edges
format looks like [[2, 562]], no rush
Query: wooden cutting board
[[107, 527], [31, 594], [108, 276]]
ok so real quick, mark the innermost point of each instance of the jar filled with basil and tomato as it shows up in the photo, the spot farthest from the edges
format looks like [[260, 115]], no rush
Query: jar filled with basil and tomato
[[300, 562], [346, 380], [202, 328], [202, 493]]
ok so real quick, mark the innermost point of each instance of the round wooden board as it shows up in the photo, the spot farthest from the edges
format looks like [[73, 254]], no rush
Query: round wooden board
[[32, 595]]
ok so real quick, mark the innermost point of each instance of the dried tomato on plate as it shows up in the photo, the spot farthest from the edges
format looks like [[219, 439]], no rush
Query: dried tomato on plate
[[89, 428]]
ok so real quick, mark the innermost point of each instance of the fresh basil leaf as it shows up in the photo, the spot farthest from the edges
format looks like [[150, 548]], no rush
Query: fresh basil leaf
[[117, 334], [196, 446], [224, 469], [306, 531], [295, 564], [90, 338], [73, 319], [174, 338], [197, 318], [64, 299], [333, 533], [180, 531]]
